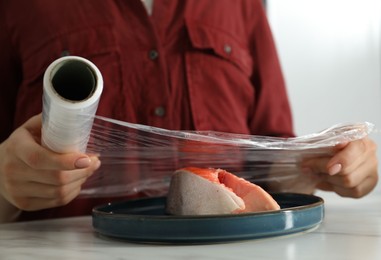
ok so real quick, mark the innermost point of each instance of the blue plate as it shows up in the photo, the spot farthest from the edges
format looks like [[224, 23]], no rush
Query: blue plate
[[145, 221]]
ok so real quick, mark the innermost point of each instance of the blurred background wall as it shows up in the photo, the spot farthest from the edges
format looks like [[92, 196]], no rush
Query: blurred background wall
[[330, 51]]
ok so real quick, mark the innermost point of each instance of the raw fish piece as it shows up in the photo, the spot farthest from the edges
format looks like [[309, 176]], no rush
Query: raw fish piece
[[204, 191]]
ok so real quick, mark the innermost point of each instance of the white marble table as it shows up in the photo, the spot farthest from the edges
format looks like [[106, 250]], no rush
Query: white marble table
[[351, 230]]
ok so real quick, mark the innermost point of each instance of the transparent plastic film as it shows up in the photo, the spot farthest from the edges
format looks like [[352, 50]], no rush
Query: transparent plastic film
[[141, 159]]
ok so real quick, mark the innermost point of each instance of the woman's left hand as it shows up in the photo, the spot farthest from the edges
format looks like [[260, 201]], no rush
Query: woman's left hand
[[351, 172]]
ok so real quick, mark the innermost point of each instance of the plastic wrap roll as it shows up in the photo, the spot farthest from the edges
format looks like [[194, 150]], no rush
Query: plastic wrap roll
[[72, 89]]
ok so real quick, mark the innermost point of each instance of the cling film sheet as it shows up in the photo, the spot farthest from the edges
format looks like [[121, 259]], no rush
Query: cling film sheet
[[141, 159]]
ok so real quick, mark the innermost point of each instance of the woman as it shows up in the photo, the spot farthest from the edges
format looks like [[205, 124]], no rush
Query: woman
[[203, 65]]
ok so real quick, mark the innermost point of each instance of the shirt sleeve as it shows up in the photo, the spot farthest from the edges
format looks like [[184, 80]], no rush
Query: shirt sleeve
[[272, 112], [10, 75]]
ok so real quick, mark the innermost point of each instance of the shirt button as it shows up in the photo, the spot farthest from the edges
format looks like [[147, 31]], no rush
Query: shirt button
[[153, 54], [160, 111], [227, 48]]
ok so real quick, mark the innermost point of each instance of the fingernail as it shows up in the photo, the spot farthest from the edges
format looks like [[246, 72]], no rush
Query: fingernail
[[335, 169], [82, 163]]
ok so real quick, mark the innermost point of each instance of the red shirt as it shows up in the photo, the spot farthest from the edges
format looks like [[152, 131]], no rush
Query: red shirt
[[203, 65]]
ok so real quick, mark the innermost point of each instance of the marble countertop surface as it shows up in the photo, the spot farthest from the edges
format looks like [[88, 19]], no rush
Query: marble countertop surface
[[351, 230]]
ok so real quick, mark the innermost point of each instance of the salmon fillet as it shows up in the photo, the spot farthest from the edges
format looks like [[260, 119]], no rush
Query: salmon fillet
[[204, 191]]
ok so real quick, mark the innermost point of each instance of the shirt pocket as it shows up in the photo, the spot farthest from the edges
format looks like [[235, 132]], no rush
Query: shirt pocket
[[219, 68], [95, 43], [221, 43]]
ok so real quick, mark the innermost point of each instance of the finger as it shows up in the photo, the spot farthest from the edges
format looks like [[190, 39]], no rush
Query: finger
[[59, 177], [47, 191], [340, 146], [325, 186], [66, 177], [355, 177], [35, 156], [43, 200], [350, 158], [315, 165], [366, 186], [34, 125], [38, 157], [36, 203]]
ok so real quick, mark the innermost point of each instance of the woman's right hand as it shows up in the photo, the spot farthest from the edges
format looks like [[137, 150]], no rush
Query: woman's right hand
[[33, 177]]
